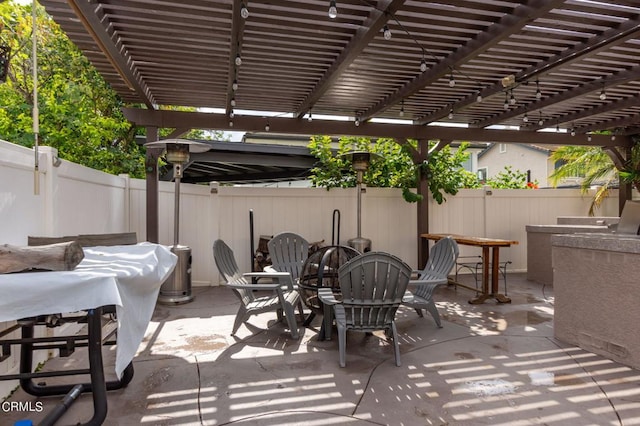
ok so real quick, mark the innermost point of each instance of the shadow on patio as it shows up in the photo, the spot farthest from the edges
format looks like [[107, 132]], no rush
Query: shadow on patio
[[490, 364]]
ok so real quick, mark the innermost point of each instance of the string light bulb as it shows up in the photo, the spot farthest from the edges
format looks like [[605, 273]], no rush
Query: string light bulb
[[238, 60], [402, 108], [386, 32], [451, 114], [230, 123], [233, 102], [244, 12], [423, 65], [357, 122], [231, 114], [333, 10], [603, 94], [525, 118], [541, 121], [479, 98], [452, 81], [573, 132], [267, 127], [538, 92], [310, 116], [512, 100], [588, 137], [234, 85], [506, 101]]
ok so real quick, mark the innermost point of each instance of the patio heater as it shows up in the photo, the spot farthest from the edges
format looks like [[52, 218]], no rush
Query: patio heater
[[177, 288], [360, 161]]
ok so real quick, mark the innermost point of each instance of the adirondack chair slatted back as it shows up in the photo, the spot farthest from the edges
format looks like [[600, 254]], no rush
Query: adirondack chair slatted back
[[288, 252], [372, 286], [442, 257], [226, 264]]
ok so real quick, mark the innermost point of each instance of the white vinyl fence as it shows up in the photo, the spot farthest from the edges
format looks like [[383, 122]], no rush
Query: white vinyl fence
[[74, 199], [77, 200]]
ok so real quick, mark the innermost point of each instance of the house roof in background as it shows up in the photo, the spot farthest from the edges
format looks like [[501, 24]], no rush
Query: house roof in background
[[543, 149]]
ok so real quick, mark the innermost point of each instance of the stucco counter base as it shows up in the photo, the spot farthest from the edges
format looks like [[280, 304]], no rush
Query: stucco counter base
[[597, 296]]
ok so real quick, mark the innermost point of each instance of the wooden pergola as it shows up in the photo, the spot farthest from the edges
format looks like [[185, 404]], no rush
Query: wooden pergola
[[502, 70]]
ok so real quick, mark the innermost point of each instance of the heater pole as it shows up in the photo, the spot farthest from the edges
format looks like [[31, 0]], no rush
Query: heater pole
[[177, 172], [359, 187]]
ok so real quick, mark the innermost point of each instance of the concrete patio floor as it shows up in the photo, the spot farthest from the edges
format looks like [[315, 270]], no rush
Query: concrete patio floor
[[489, 365]]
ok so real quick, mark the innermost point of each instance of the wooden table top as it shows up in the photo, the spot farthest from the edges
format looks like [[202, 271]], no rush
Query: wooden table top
[[472, 241]]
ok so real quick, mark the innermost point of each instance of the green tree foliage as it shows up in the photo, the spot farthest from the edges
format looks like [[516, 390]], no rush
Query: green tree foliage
[[79, 113], [393, 167], [511, 179], [596, 169], [446, 174]]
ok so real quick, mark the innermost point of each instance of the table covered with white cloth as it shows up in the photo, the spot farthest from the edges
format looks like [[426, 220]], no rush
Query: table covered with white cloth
[[128, 276]]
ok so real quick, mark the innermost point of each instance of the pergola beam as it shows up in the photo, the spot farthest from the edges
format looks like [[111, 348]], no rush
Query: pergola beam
[[90, 15], [499, 31], [201, 120], [612, 37], [619, 78], [613, 124], [367, 32], [237, 27]]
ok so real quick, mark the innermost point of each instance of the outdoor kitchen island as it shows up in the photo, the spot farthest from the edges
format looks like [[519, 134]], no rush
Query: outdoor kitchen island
[[597, 298]]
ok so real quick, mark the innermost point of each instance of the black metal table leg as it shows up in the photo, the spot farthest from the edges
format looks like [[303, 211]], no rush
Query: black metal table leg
[[97, 385]]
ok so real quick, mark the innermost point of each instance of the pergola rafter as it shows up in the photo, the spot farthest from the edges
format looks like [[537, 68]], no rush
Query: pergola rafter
[[375, 22], [610, 38], [506, 26], [295, 58], [92, 18]]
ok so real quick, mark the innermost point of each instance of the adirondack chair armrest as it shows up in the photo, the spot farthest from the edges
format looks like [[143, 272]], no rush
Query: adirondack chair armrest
[[271, 269], [327, 297], [282, 278], [249, 286], [267, 274], [429, 280]]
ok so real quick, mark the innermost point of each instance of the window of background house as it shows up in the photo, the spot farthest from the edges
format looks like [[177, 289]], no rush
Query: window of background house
[[482, 174]]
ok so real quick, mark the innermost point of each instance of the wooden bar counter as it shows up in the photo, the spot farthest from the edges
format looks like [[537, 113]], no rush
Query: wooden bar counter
[[490, 255]]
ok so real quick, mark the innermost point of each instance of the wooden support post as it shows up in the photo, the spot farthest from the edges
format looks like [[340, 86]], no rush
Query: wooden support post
[[423, 205], [624, 192], [620, 157], [151, 166]]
